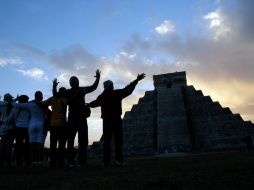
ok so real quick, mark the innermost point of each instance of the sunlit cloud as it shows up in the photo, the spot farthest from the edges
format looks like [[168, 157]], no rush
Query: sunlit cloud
[[218, 24], [166, 27], [34, 73], [4, 61]]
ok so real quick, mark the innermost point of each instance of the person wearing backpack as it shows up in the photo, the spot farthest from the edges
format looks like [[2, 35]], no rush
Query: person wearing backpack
[[77, 116], [110, 101]]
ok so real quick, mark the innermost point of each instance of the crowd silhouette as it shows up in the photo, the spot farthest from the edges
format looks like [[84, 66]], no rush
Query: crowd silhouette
[[27, 123]]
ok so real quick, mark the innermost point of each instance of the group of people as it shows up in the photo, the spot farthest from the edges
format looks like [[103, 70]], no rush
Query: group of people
[[28, 122]]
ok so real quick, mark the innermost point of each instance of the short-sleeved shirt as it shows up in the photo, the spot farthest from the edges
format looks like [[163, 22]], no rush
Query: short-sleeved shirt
[[58, 114]]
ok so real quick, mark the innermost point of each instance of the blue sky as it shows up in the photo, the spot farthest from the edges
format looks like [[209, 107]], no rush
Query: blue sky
[[210, 39]]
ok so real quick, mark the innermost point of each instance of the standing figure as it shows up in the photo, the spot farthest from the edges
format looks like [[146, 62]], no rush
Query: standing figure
[[58, 128], [8, 138], [21, 117], [77, 122], [110, 102], [36, 127]]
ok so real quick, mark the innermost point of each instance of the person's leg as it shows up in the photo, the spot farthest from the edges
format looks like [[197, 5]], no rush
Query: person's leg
[[33, 133], [19, 146], [62, 144], [118, 137], [107, 136], [53, 144], [2, 151], [72, 130], [9, 146], [27, 148], [34, 156], [40, 149], [82, 141]]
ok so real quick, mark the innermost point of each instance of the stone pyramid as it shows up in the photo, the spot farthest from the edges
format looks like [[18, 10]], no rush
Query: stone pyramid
[[175, 117]]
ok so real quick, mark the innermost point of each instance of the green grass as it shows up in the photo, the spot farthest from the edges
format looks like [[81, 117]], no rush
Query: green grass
[[229, 170]]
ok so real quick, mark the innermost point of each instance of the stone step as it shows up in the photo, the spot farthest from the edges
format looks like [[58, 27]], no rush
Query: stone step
[[228, 117], [198, 100], [226, 110], [149, 94], [248, 124], [189, 90], [143, 101], [238, 117], [198, 93]]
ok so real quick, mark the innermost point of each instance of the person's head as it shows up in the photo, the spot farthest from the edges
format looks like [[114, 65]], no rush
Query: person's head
[[74, 82], [62, 89], [108, 85], [8, 97], [38, 96], [23, 99]]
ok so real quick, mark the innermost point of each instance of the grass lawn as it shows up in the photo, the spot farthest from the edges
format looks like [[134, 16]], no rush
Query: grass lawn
[[228, 170]]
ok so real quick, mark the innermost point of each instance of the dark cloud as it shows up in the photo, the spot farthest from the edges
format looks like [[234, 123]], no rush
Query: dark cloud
[[241, 18], [74, 59]]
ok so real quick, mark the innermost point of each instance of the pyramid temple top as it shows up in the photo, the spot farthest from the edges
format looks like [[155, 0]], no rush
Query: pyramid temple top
[[170, 80]]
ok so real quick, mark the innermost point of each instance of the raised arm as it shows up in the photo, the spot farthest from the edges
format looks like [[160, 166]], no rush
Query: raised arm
[[47, 102], [95, 103], [54, 88], [129, 88], [88, 89]]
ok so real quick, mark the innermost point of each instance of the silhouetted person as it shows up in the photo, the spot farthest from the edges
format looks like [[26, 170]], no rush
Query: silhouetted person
[[36, 127], [58, 128], [110, 102], [8, 138], [76, 118], [21, 117]]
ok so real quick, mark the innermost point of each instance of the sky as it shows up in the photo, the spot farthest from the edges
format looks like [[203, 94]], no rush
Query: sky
[[212, 40]]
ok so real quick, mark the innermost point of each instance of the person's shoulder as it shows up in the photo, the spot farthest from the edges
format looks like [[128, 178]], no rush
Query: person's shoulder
[[117, 91], [3, 103], [62, 100]]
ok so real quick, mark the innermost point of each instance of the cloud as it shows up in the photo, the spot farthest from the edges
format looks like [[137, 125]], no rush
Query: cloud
[[35, 73], [4, 61], [75, 60], [218, 24], [165, 28], [241, 19], [222, 66]]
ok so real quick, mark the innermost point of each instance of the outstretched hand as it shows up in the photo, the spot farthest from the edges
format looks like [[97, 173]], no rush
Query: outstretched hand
[[141, 76], [55, 83], [97, 73]]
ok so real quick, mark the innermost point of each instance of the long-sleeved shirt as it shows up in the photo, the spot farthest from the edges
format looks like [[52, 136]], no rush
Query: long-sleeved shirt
[[38, 113], [5, 110], [110, 101], [21, 117]]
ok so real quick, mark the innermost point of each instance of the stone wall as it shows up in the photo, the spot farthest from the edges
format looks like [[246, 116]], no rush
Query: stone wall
[[139, 126], [175, 117]]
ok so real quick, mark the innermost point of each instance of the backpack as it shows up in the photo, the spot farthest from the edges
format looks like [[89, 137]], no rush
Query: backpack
[[87, 111], [47, 121]]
